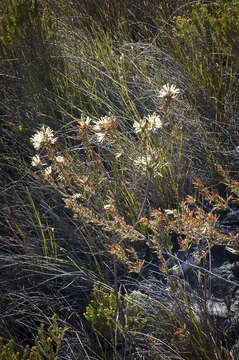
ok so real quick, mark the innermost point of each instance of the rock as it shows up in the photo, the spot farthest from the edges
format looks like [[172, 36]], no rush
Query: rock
[[235, 352], [211, 284]]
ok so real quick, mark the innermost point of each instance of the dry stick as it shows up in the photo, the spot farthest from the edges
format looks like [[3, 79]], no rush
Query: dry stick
[[145, 197], [117, 312], [210, 266], [116, 298]]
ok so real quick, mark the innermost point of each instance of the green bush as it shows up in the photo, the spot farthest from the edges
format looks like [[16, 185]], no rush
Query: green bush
[[47, 345]]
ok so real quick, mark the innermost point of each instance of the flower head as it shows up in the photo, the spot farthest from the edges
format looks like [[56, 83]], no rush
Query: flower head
[[84, 122], [153, 122], [144, 161], [60, 159], [100, 137], [122, 57], [76, 196], [36, 161], [147, 124], [169, 92], [48, 170], [84, 125], [140, 126], [104, 126], [149, 162], [110, 209], [42, 137]]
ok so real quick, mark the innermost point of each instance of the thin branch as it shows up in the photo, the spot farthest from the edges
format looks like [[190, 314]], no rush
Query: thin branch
[[145, 197]]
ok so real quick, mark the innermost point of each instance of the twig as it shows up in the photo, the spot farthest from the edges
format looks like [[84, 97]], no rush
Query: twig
[[145, 198]]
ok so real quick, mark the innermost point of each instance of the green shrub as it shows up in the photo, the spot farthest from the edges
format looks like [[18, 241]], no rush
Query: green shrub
[[47, 345], [115, 319]]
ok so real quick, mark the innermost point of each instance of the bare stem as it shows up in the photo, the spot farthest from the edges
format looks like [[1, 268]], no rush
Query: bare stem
[[145, 197]]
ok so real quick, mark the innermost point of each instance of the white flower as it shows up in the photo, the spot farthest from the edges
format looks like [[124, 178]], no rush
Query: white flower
[[110, 209], [36, 161], [139, 126], [106, 124], [154, 122], [76, 196], [108, 206], [119, 153], [84, 122], [169, 211], [60, 159], [143, 161], [168, 91], [122, 57], [43, 136], [87, 121], [148, 162], [37, 140], [48, 170], [147, 124], [100, 137], [103, 124]]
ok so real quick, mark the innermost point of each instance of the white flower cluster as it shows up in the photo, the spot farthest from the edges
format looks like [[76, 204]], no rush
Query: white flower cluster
[[48, 171], [104, 126], [154, 122], [42, 137], [149, 162], [76, 196], [36, 161], [144, 161], [150, 123], [169, 92], [140, 126], [84, 122]]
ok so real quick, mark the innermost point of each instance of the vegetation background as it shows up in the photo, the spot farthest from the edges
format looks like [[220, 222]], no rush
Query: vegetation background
[[75, 238]]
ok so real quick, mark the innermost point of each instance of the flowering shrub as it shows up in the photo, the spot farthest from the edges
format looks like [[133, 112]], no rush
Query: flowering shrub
[[82, 193]]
